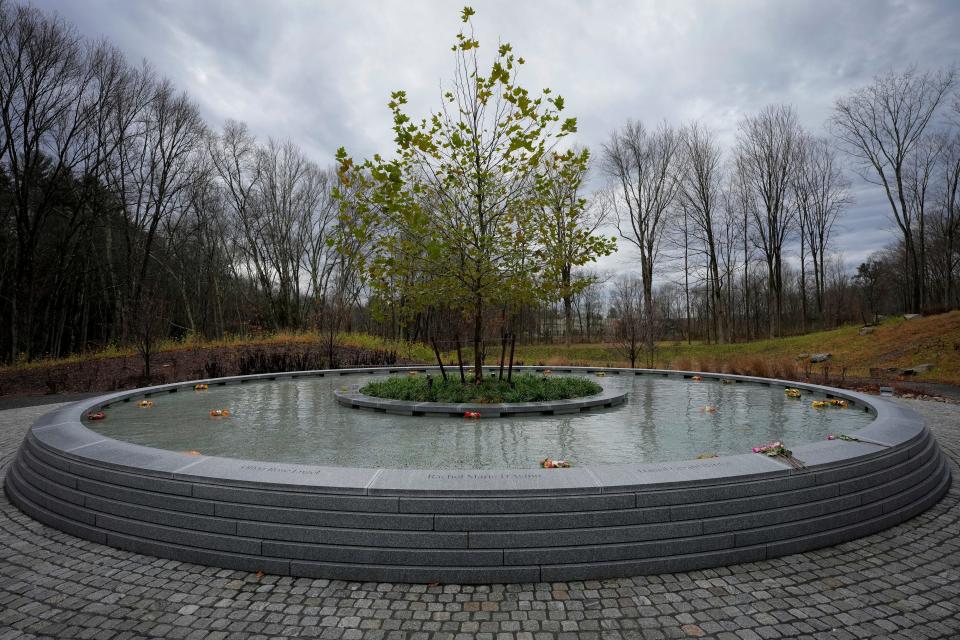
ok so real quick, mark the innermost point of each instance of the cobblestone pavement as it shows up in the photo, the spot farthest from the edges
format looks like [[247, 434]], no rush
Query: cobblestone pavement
[[902, 583]]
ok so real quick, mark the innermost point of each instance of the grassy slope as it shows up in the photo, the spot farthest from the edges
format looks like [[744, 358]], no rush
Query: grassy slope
[[896, 343]]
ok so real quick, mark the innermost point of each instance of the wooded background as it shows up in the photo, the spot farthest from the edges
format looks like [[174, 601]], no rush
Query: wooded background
[[125, 218]]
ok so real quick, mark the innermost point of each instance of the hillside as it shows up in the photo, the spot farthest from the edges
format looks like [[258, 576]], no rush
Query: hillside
[[896, 343]]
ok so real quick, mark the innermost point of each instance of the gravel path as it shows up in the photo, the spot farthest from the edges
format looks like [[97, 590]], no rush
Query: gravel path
[[902, 583]]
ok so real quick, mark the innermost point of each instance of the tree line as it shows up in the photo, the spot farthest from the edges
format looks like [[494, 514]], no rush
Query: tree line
[[125, 217], [730, 217]]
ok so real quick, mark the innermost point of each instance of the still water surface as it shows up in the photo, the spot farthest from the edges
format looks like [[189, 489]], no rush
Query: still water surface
[[299, 421]]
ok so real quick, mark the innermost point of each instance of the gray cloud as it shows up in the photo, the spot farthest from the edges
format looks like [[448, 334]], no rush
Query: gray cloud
[[321, 73]]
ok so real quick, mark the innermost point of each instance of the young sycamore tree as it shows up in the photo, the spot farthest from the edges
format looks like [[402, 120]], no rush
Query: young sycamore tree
[[453, 215]]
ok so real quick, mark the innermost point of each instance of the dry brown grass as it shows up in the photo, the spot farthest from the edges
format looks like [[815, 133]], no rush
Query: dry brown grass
[[897, 343]]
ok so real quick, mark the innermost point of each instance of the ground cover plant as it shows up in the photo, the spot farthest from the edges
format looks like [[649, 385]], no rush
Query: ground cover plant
[[524, 387]]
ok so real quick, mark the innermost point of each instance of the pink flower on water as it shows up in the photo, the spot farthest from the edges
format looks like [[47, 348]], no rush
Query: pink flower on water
[[831, 437], [756, 449]]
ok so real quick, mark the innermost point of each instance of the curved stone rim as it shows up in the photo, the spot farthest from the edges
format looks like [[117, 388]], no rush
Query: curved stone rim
[[63, 432], [475, 526], [353, 398]]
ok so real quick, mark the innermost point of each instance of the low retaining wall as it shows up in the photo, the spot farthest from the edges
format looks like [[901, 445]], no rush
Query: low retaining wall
[[351, 397], [475, 526]]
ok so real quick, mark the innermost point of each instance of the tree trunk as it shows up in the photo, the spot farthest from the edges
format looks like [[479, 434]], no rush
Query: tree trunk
[[803, 286], [503, 353], [436, 350], [567, 307], [718, 320], [771, 298], [478, 341], [648, 310], [686, 277], [463, 377]]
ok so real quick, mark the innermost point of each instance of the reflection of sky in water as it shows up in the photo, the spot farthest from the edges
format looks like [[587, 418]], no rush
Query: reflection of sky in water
[[299, 421]]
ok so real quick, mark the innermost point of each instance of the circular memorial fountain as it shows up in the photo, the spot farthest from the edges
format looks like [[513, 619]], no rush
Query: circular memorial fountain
[[308, 476]]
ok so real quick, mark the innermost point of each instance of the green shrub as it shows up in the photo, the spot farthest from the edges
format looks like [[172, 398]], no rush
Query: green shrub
[[526, 387]]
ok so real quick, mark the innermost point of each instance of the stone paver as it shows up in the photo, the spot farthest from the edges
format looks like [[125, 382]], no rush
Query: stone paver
[[902, 583]]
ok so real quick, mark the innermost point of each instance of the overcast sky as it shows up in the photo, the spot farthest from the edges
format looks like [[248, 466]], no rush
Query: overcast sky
[[320, 73]]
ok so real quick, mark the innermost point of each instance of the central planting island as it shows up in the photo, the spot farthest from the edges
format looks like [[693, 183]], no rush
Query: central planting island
[[354, 397], [475, 526]]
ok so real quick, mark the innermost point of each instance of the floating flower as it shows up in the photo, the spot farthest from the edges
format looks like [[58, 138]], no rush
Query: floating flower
[[601, 374], [411, 373], [191, 453], [99, 415], [201, 387], [547, 372], [708, 409], [219, 413], [706, 456], [843, 437], [697, 378], [548, 463], [471, 414], [792, 392], [145, 404], [834, 402]]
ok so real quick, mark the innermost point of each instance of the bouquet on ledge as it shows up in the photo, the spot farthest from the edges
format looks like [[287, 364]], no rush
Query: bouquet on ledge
[[773, 449], [843, 436], [778, 450]]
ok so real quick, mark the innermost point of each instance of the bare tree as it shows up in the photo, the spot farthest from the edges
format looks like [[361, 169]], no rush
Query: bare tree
[[285, 224], [947, 223], [881, 126], [829, 190], [701, 192], [729, 231], [643, 168], [629, 316], [47, 82], [821, 192], [743, 208], [921, 168], [165, 172], [125, 145], [589, 304], [766, 152]]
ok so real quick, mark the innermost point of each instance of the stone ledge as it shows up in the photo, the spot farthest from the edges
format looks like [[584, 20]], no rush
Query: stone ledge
[[351, 397]]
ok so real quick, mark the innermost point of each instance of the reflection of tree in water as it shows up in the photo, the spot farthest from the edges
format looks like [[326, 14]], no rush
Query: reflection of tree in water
[[714, 423], [778, 420], [642, 398]]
